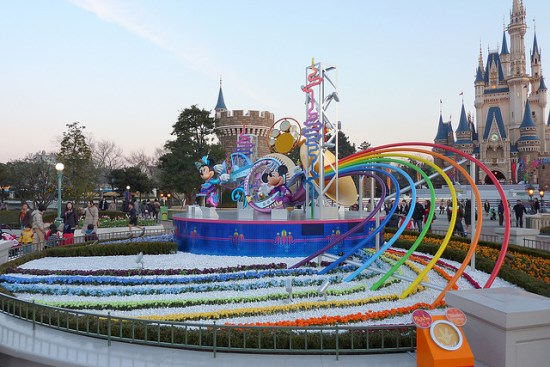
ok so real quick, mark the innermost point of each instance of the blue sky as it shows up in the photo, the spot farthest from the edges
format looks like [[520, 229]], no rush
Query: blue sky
[[126, 68]]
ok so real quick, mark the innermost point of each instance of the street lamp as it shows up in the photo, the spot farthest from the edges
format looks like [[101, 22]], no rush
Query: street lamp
[[168, 196], [59, 168], [127, 197], [530, 191], [541, 194]]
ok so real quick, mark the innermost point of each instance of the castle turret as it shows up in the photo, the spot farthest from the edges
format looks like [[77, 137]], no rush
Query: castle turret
[[519, 79], [528, 141], [220, 105], [464, 134], [445, 137], [505, 56], [479, 83]]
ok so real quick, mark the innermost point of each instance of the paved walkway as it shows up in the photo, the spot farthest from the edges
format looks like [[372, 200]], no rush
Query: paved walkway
[[20, 345]]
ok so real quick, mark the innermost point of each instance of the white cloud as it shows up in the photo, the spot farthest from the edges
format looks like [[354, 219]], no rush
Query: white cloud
[[141, 21]]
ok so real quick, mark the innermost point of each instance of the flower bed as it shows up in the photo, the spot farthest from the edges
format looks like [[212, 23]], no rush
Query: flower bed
[[230, 290]]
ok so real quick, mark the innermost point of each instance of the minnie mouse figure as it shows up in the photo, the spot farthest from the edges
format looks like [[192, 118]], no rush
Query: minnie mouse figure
[[208, 188], [275, 182]]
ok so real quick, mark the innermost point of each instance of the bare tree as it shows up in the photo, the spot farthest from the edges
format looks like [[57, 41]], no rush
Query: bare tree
[[106, 153], [159, 152], [139, 159], [107, 156], [34, 178]]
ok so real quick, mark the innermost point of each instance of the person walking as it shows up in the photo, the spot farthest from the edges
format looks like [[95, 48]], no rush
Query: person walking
[[468, 215], [38, 226], [70, 219], [91, 215], [441, 207], [519, 210], [133, 218], [536, 206], [70, 223], [418, 216], [25, 216], [500, 213], [459, 227], [487, 207], [156, 207]]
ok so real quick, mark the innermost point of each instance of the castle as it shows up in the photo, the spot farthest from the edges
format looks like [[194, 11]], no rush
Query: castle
[[230, 124], [511, 134]]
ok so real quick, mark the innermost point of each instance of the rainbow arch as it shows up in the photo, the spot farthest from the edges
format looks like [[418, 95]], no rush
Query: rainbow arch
[[370, 160]]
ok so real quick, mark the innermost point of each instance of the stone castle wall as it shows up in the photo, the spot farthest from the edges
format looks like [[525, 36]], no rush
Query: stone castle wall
[[229, 124]]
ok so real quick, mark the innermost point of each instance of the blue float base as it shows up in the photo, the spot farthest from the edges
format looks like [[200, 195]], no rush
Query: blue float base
[[229, 236]]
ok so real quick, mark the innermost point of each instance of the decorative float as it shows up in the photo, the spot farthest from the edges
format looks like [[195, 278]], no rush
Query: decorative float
[[300, 209]]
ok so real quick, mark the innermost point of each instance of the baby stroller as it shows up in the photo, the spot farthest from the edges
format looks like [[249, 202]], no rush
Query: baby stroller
[[493, 214], [7, 235]]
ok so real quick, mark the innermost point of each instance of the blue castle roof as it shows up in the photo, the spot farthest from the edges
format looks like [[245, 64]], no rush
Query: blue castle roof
[[220, 105], [542, 86], [527, 118], [479, 75], [504, 50], [463, 124], [494, 58], [494, 115], [442, 130], [535, 49]]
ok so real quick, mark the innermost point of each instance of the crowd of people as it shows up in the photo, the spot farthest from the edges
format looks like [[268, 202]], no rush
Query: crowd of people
[[35, 230], [463, 222]]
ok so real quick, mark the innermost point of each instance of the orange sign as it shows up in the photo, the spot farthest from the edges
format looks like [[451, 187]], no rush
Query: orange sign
[[422, 319], [455, 316]]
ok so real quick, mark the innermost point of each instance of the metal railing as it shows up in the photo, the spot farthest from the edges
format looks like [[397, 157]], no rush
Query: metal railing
[[482, 237], [215, 338], [536, 244], [21, 250]]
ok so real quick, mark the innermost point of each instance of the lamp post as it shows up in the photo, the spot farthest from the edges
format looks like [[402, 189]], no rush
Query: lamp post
[[530, 191], [126, 206], [168, 196], [59, 168], [541, 194]]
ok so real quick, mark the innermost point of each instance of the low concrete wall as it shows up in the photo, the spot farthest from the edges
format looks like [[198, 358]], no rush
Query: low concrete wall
[[537, 221], [506, 327], [517, 235]]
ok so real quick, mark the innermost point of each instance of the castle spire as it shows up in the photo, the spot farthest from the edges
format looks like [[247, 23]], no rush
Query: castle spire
[[479, 71], [504, 50], [220, 105], [535, 55]]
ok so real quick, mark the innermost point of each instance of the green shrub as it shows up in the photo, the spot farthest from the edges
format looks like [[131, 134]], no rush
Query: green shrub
[[545, 231]]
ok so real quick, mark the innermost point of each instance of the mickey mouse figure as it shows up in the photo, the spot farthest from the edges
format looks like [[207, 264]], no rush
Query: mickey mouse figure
[[275, 182], [208, 188]]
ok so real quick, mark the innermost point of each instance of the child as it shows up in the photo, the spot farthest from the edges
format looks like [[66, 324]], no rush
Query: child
[[493, 213], [27, 236], [52, 236], [90, 234]]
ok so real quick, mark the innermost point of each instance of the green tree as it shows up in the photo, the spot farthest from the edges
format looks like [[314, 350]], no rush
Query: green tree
[[79, 175], [34, 178], [130, 176], [345, 147], [364, 146], [194, 138], [4, 179]]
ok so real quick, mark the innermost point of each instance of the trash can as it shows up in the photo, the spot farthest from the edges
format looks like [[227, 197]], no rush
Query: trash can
[[164, 213]]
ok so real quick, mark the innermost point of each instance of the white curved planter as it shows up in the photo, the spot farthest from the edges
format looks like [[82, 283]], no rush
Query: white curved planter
[[4, 251]]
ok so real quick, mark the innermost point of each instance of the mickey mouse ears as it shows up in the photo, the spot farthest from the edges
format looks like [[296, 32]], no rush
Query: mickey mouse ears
[[204, 161]]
